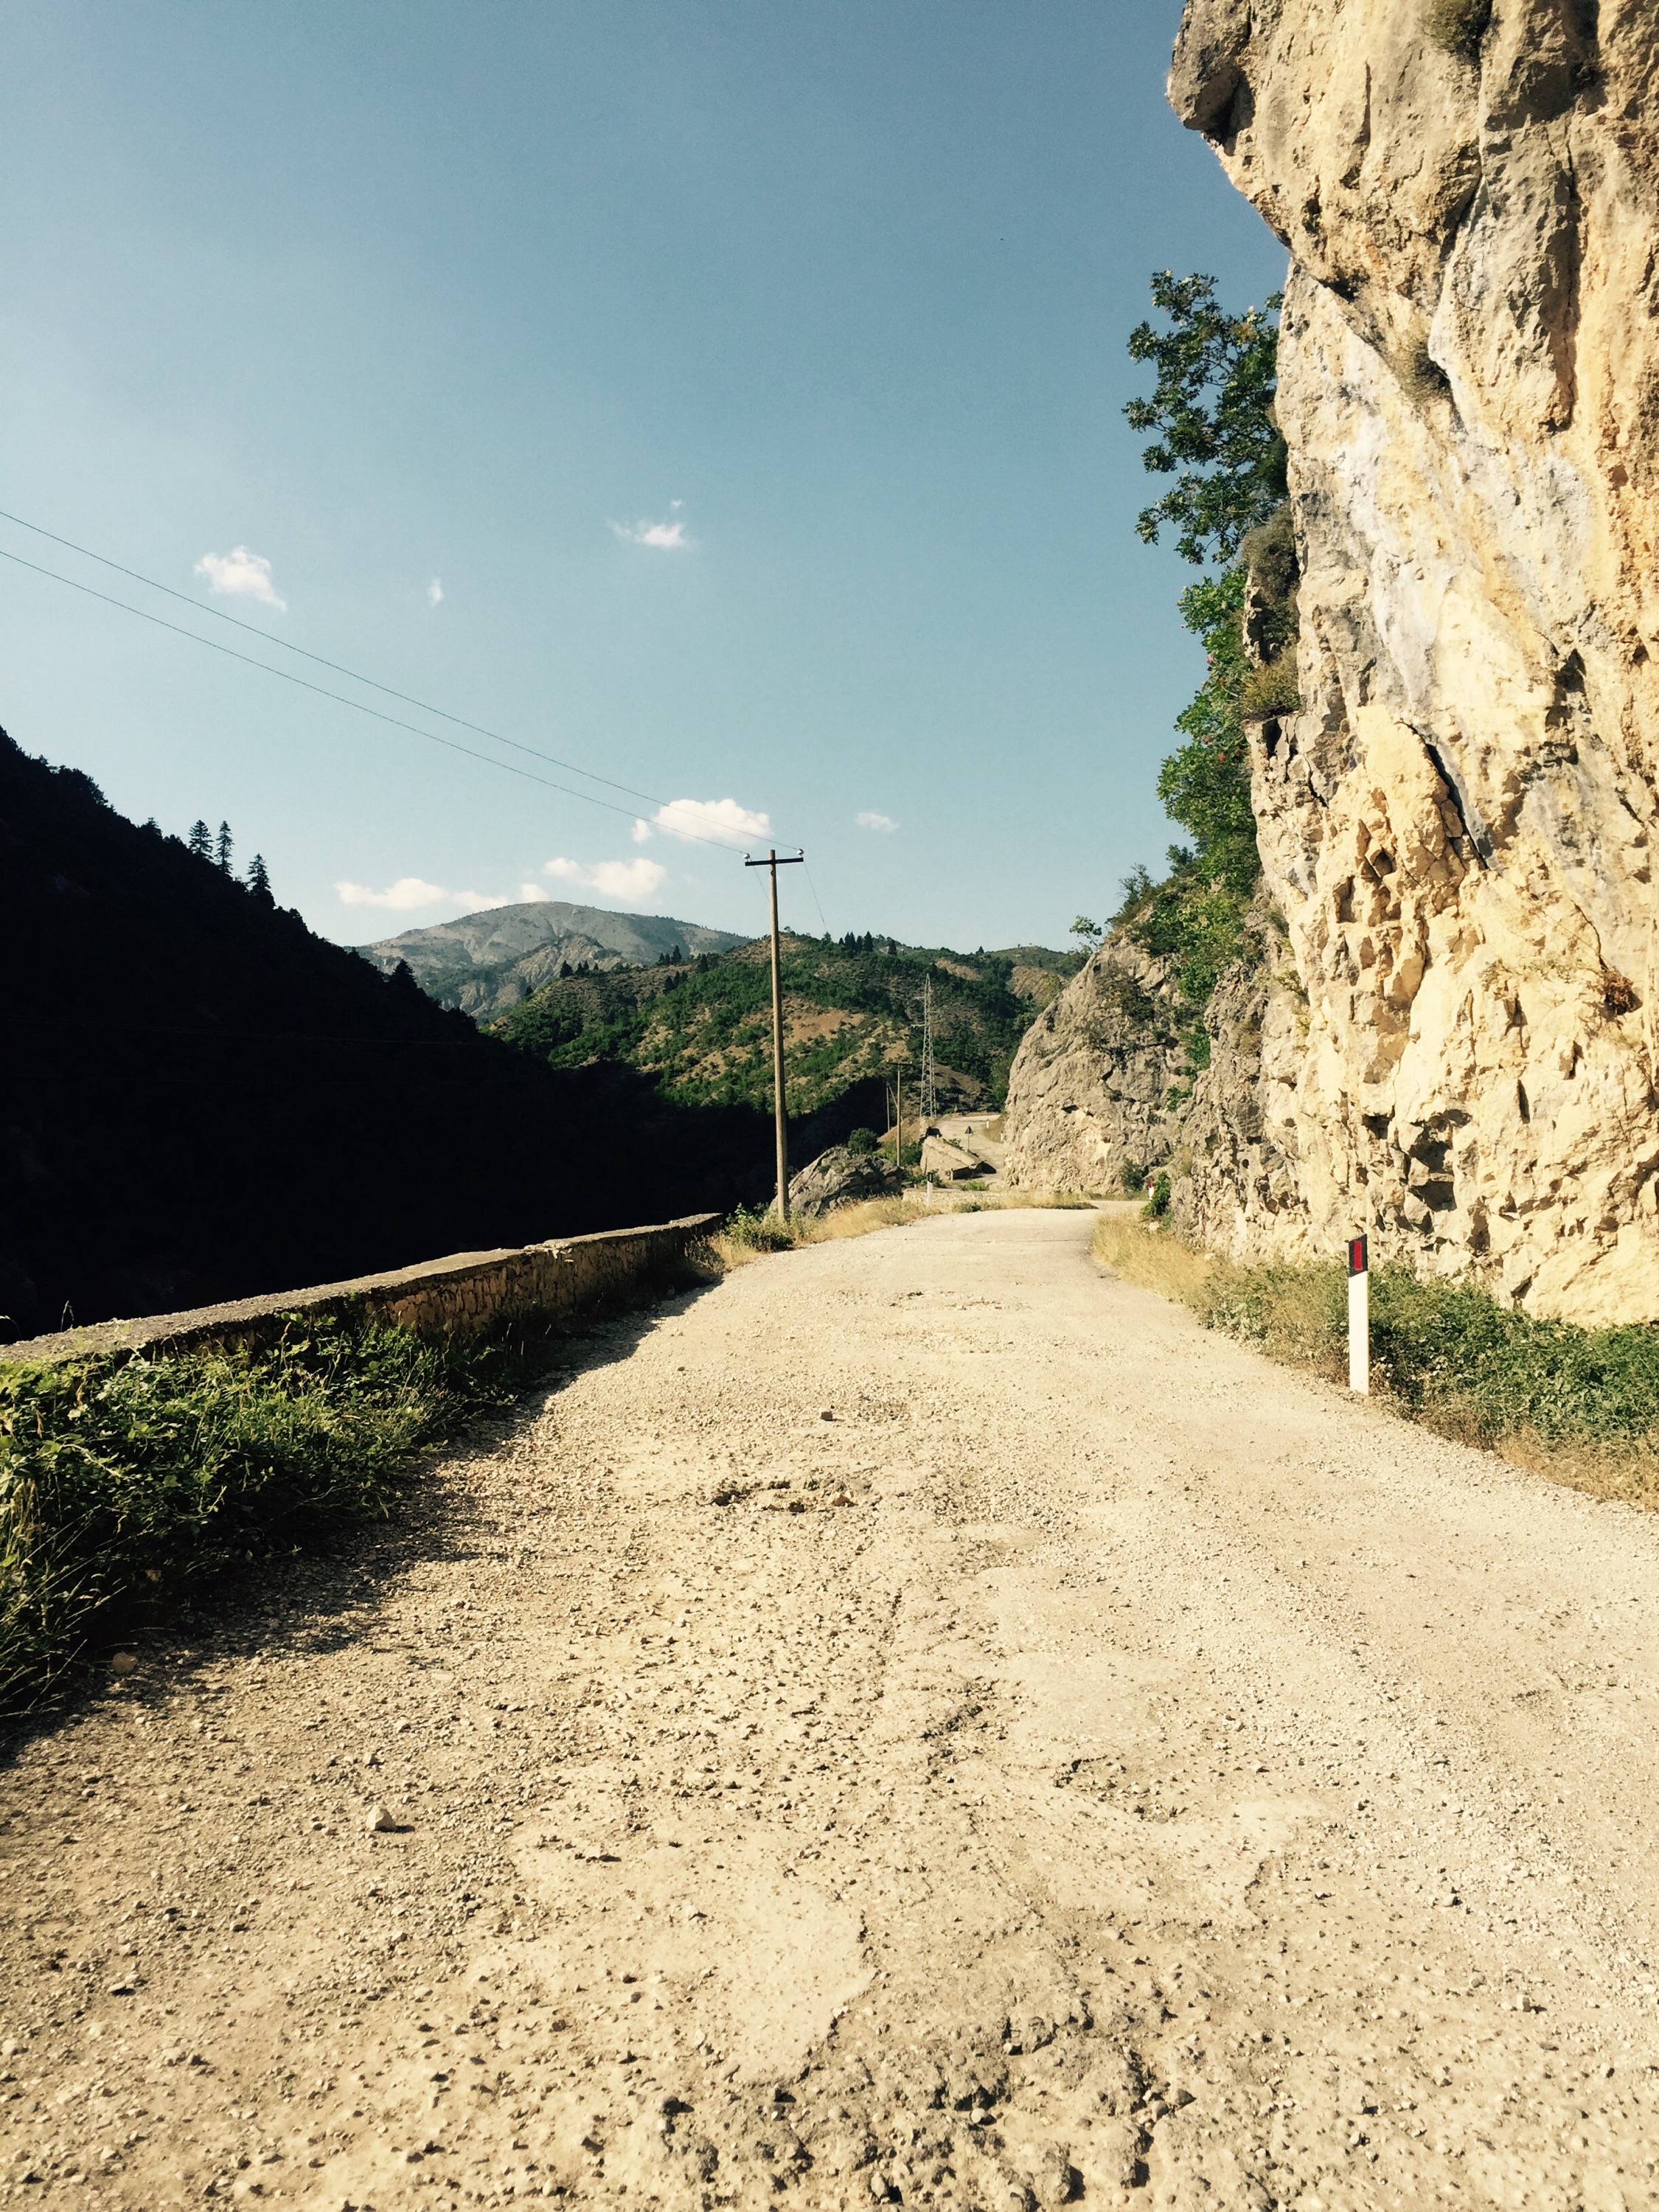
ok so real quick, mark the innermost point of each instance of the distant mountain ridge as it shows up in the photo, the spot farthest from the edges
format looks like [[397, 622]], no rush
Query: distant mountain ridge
[[487, 962]]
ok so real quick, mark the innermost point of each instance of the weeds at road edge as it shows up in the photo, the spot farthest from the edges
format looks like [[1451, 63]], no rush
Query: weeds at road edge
[[1580, 1405], [129, 1486]]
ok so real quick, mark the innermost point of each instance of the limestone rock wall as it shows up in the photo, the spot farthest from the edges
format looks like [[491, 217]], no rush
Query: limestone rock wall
[[1457, 827], [1105, 1085], [1088, 1089]]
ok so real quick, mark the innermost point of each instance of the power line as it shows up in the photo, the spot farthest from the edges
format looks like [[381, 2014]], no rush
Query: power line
[[817, 901], [338, 667], [321, 691]]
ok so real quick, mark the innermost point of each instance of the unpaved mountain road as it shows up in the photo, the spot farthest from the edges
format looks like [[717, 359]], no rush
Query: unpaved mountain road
[[1094, 1763]]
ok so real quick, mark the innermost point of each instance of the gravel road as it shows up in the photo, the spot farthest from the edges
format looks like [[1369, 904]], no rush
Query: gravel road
[[918, 1721]]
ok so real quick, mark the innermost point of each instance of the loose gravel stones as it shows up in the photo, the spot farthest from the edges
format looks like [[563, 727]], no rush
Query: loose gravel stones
[[1055, 1809]]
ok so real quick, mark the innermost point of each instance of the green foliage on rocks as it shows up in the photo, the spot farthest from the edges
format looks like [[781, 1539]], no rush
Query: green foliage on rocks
[[1269, 692], [1216, 431], [1456, 27]]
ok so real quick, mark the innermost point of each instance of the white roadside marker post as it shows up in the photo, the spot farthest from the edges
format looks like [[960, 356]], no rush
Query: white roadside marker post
[[1359, 1317]]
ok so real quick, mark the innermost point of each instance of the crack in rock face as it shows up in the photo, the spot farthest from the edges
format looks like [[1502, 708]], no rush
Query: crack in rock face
[[1450, 1039]]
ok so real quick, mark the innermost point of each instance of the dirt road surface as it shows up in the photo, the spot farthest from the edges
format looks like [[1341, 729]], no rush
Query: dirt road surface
[[917, 1722]]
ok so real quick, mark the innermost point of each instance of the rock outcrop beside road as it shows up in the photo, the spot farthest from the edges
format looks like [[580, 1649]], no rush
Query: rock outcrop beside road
[[1456, 825], [840, 1174], [1107, 1088]]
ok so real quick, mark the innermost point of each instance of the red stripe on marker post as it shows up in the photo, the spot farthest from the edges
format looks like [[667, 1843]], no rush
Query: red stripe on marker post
[[1359, 1315]]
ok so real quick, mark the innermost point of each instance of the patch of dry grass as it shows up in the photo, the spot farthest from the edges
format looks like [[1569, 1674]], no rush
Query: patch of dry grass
[[1064, 1201], [1578, 1405], [1457, 26], [860, 1216], [747, 1236]]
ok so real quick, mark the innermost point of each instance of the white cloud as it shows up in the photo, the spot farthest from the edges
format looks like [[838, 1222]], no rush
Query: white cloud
[[636, 881], [642, 833], [869, 820], [410, 893], [531, 892], [239, 575], [667, 536], [435, 593], [719, 818]]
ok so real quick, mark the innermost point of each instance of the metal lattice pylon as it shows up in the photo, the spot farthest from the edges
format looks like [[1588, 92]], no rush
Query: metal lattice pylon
[[927, 1105]]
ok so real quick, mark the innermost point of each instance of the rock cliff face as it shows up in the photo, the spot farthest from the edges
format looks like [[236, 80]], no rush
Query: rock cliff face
[[1105, 1091], [1086, 1092], [1457, 825]]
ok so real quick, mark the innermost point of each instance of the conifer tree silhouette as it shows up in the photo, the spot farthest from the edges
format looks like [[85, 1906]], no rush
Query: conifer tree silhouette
[[200, 840], [222, 853]]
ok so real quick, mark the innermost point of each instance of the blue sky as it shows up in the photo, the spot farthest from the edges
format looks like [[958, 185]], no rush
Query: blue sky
[[747, 381]]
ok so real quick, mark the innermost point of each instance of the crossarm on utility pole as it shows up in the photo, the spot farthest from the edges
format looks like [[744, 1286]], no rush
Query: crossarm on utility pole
[[781, 1118]]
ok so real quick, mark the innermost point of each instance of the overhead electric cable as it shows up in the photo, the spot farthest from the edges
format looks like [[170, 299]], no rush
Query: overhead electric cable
[[817, 901], [321, 691], [338, 667]]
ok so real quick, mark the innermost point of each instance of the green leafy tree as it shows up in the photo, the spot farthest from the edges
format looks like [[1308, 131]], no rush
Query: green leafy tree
[[1211, 414], [1205, 784], [1215, 431]]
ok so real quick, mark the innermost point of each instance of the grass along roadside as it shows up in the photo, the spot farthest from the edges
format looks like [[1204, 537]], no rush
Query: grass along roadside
[[132, 1486], [129, 1486], [1580, 1405]]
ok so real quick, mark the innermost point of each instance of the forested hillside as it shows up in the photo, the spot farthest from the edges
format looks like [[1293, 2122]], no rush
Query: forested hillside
[[853, 1008], [200, 1100]]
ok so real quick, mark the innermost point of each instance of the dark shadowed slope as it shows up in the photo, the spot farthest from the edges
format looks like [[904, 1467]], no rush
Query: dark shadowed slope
[[199, 1099]]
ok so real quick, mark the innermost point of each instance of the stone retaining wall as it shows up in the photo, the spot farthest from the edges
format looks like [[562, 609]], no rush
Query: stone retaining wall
[[468, 1294]]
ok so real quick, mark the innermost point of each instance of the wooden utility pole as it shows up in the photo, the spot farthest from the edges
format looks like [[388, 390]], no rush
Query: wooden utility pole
[[781, 1119], [897, 1056]]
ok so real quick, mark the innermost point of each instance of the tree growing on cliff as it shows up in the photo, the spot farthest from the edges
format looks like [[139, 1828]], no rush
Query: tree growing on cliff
[[1211, 414], [1215, 431]]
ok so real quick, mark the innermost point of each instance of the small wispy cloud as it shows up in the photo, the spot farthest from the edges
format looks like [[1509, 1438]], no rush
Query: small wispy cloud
[[668, 537], [435, 593], [635, 881], [411, 893], [642, 833], [239, 575], [722, 819], [870, 820]]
